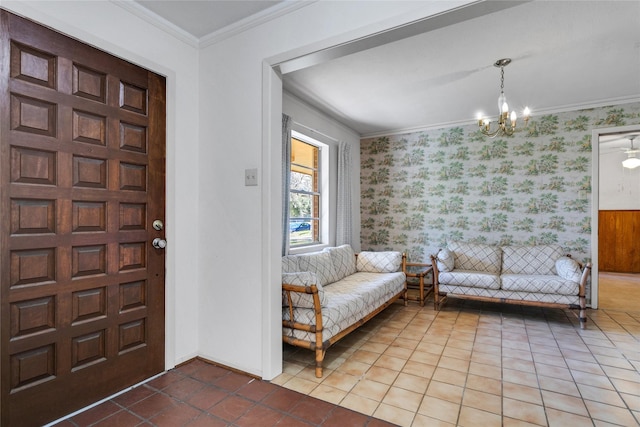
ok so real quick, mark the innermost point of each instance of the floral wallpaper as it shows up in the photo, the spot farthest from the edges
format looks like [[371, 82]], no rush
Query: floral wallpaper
[[422, 189]]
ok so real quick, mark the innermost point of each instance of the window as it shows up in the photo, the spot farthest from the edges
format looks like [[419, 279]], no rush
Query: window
[[306, 195]]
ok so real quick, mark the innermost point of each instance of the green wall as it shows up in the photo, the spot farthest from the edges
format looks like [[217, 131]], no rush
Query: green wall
[[422, 189]]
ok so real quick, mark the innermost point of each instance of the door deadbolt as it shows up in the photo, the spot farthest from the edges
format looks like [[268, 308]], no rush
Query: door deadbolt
[[158, 225]]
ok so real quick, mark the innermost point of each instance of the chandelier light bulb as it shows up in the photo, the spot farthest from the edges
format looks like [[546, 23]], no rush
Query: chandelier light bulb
[[502, 103], [513, 118], [526, 112]]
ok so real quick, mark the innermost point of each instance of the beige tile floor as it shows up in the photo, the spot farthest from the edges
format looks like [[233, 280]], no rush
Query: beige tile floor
[[481, 364]]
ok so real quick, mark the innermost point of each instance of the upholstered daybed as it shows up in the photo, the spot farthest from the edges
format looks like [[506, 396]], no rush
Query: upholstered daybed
[[540, 275], [328, 294]]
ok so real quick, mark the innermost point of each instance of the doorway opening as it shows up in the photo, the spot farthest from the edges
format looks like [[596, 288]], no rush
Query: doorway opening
[[615, 220]]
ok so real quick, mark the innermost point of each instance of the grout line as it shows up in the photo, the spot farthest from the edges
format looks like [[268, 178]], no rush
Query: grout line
[[531, 323], [106, 399]]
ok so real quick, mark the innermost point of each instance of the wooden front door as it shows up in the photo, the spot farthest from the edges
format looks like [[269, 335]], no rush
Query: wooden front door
[[82, 178]]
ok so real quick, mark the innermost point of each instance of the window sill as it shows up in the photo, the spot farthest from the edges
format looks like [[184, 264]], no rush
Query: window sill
[[307, 249]]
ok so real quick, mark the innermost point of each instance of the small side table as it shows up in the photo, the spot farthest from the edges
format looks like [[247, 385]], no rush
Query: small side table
[[419, 271]]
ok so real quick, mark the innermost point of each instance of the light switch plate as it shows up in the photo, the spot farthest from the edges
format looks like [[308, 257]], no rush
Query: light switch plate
[[250, 177]]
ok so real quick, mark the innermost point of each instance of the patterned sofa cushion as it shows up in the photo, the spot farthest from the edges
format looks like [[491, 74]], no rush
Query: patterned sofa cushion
[[320, 264], [472, 279], [343, 259], [290, 264], [513, 295], [542, 284], [302, 278], [445, 260], [348, 301], [568, 269], [476, 257], [532, 260], [379, 262]]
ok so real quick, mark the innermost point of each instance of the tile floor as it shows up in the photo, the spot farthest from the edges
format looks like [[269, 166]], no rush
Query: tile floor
[[471, 364], [200, 394], [481, 364]]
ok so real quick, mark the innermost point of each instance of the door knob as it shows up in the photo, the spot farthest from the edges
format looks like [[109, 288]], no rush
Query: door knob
[[159, 243]]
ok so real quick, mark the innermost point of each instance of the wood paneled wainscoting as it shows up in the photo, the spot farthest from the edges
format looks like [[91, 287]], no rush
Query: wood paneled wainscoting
[[619, 241]]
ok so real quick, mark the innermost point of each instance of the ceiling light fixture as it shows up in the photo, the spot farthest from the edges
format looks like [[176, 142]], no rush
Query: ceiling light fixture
[[506, 121], [631, 162]]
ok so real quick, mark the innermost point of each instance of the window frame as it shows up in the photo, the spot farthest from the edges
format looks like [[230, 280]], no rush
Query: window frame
[[322, 192]]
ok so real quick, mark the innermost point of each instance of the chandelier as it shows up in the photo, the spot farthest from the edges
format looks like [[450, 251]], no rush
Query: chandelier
[[506, 121], [631, 162]]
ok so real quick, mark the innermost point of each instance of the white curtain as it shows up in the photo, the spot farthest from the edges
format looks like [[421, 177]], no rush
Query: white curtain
[[286, 179], [343, 221]]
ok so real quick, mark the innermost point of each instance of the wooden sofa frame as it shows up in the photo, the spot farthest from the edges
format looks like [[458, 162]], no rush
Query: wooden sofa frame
[[440, 298], [319, 345]]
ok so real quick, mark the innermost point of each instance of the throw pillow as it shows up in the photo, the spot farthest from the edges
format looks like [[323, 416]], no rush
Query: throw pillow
[[320, 264], [343, 259], [445, 260], [290, 264], [568, 269]]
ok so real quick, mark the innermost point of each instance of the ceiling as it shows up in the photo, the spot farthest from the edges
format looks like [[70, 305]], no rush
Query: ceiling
[[203, 17], [566, 55]]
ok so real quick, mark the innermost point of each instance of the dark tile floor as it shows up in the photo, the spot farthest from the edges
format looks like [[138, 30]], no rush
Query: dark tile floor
[[201, 394]]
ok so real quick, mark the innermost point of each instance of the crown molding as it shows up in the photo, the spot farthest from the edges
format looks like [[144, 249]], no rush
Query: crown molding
[[266, 15], [157, 21], [612, 102]]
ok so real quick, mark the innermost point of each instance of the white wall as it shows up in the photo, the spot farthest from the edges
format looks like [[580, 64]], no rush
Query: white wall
[[238, 252], [224, 104], [619, 186], [113, 29]]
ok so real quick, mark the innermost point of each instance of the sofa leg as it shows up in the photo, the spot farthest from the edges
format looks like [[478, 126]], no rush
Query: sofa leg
[[436, 300], [583, 321], [319, 359]]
